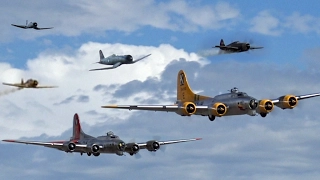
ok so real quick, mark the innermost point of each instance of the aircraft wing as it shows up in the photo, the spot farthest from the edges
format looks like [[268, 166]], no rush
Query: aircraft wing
[[168, 108], [43, 28], [301, 97], [54, 144], [46, 87], [144, 145], [227, 47], [15, 85], [140, 58], [256, 47], [114, 66], [19, 26]]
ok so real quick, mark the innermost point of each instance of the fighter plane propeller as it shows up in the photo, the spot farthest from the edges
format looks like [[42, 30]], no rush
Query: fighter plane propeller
[[233, 103], [33, 25], [236, 46], [116, 60], [30, 83], [81, 142]]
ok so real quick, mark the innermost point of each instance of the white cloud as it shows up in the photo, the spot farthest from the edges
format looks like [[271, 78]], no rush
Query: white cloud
[[265, 23]]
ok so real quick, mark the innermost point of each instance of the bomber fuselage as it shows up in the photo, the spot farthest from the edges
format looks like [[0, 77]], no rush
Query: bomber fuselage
[[238, 103]]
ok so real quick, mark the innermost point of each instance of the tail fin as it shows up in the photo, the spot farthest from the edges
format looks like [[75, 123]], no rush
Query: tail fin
[[101, 55], [222, 43], [21, 81], [76, 128], [184, 92], [77, 131]]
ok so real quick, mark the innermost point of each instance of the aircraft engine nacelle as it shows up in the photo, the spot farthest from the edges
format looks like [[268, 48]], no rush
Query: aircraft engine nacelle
[[218, 109], [35, 82], [265, 106], [287, 102], [132, 148], [187, 109], [129, 58], [71, 146], [35, 24], [95, 148], [153, 146]]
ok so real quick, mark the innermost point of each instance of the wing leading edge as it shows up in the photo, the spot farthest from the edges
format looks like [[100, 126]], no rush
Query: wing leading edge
[[144, 145]]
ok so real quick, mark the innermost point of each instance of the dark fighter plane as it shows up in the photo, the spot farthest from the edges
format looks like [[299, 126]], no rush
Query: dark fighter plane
[[83, 143], [236, 47], [116, 60], [234, 103], [33, 25]]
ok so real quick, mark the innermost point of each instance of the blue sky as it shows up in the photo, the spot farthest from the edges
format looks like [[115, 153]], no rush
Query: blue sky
[[180, 35]]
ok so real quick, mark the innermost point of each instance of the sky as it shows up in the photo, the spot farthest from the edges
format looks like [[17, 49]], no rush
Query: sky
[[179, 35]]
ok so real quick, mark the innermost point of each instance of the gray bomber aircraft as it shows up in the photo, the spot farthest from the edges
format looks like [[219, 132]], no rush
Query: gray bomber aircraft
[[236, 47], [33, 25], [110, 143], [116, 60], [30, 83], [234, 103]]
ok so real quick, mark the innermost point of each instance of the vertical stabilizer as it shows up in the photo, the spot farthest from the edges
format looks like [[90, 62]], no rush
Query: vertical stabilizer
[[184, 92], [77, 131], [21, 81], [101, 55], [222, 43], [76, 127]]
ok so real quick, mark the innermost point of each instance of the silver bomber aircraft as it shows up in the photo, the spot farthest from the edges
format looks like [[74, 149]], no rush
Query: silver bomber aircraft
[[110, 143], [236, 47], [234, 103], [30, 25], [116, 60], [30, 83]]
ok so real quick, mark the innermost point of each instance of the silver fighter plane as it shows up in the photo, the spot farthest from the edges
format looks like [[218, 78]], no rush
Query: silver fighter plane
[[33, 25], [109, 143], [116, 60], [233, 103]]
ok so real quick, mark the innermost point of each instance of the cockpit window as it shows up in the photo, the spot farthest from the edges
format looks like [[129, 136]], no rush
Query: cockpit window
[[241, 94]]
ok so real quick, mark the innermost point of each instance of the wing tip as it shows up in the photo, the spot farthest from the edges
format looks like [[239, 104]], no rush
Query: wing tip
[[9, 140], [110, 106], [197, 139]]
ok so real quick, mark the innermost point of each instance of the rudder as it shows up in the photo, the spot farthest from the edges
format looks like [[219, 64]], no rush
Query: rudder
[[76, 128], [101, 55], [222, 43], [184, 92]]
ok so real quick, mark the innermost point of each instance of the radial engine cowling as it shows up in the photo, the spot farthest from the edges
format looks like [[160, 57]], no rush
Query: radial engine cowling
[[71, 146], [35, 82], [132, 148], [287, 102], [265, 106], [153, 146], [35, 24], [95, 148], [219, 109], [187, 109]]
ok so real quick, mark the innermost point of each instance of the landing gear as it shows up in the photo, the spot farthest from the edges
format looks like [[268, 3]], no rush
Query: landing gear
[[211, 117], [131, 154], [89, 153], [96, 154], [263, 114]]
